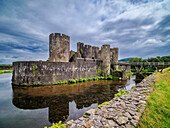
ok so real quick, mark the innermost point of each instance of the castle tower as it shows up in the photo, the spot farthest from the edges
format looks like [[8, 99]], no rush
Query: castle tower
[[87, 51], [114, 57], [80, 47], [95, 52], [105, 57], [59, 47]]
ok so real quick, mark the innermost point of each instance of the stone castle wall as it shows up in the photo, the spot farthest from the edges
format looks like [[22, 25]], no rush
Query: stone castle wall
[[64, 64], [46, 73], [59, 47], [87, 51], [105, 57]]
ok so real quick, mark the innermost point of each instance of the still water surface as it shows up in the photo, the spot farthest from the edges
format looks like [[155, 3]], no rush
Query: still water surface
[[36, 107]]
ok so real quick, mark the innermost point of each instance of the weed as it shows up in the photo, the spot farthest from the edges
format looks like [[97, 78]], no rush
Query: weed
[[5, 71], [104, 103], [121, 93], [57, 125], [71, 81], [138, 110]]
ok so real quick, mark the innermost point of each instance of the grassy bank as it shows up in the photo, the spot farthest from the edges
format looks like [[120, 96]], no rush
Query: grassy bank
[[157, 112], [5, 71], [106, 77]]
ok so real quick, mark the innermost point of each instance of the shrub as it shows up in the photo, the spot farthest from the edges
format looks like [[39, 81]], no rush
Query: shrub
[[121, 93], [80, 80], [57, 125], [71, 81]]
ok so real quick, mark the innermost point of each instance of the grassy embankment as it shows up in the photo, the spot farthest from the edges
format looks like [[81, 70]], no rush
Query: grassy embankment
[[5, 71], [157, 112]]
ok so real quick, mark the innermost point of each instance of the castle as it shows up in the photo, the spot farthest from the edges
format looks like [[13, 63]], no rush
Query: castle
[[64, 64]]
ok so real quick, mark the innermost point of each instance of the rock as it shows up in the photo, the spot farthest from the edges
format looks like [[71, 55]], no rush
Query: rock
[[89, 112], [131, 112], [127, 115], [112, 123], [133, 122], [122, 120], [89, 124], [129, 126]]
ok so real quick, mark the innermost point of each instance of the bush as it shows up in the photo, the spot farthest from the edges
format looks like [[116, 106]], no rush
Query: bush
[[5, 71], [57, 125], [121, 93], [80, 80], [71, 81]]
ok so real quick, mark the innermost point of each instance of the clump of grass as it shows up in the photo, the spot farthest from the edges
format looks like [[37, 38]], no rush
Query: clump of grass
[[128, 74], [106, 77], [5, 71], [71, 81], [80, 80], [121, 93], [36, 84], [138, 110], [57, 125], [35, 67], [133, 86], [104, 103], [157, 111]]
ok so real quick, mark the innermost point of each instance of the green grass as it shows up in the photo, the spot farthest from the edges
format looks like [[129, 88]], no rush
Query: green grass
[[121, 93], [157, 112], [128, 74], [104, 103], [107, 77], [5, 71], [57, 125]]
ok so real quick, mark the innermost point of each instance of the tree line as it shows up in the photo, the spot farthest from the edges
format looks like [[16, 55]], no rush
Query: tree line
[[156, 59]]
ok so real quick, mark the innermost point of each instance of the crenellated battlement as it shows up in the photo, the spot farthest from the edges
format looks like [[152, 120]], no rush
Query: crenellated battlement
[[59, 36]]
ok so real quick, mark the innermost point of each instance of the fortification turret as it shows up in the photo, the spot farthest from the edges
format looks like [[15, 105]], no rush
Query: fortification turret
[[59, 47], [114, 57], [105, 57], [80, 47], [95, 52]]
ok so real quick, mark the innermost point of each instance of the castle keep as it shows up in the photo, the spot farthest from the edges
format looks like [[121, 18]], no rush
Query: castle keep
[[63, 64]]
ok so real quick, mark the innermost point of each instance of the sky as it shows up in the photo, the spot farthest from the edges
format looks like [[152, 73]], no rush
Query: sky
[[139, 28]]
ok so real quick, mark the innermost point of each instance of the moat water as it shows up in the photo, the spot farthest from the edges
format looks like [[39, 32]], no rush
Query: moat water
[[36, 107]]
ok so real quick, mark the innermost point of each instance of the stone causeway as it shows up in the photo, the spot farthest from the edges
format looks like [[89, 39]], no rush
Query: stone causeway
[[121, 112]]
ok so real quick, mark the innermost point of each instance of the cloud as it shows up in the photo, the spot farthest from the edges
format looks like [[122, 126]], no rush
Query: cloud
[[128, 24]]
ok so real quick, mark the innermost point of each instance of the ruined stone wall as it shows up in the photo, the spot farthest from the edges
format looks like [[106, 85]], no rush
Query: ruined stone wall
[[114, 57], [87, 51], [59, 47], [105, 57], [41, 72], [95, 52], [71, 54], [80, 47]]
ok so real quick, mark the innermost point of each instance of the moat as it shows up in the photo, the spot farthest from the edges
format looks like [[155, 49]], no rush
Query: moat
[[41, 106]]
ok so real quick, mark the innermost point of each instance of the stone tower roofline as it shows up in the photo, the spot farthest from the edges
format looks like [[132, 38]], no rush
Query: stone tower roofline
[[87, 46], [80, 43], [106, 46], [114, 48], [56, 35]]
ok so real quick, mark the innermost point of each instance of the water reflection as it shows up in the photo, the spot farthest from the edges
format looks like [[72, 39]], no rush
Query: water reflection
[[66, 100]]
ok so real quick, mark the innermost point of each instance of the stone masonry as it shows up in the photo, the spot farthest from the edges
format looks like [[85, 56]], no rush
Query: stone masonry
[[121, 112], [59, 47], [63, 64], [105, 57]]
